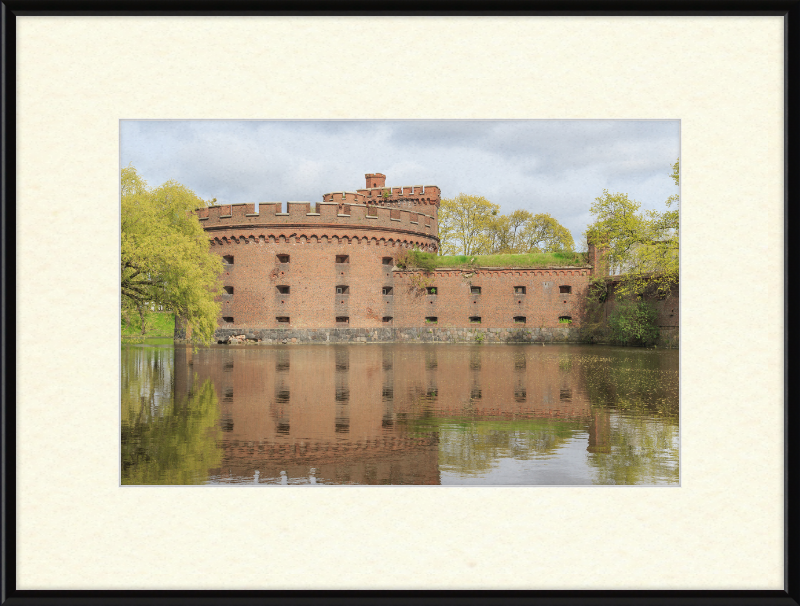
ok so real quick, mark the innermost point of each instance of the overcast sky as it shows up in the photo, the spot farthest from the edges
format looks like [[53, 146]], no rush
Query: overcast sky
[[552, 166]]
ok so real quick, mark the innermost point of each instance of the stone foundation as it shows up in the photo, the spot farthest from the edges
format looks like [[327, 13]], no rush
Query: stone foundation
[[267, 336]]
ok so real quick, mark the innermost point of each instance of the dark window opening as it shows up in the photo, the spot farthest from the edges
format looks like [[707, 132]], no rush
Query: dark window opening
[[519, 290], [387, 319], [475, 319], [282, 319], [342, 394], [283, 429], [388, 393], [431, 320], [519, 319], [520, 394], [565, 289], [228, 259], [228, 319], [388, 261], [343, 427], [342, 290], [282, 396], [386, 290], [566, 394], [519, 363], [283, 258], [431, 364], [343, 258], [281, 365], [284, 290], [387, 365], [475, 290], [475, 394], [228, 290], [227, 423], [565, 320], [342, 319], [431, 290]]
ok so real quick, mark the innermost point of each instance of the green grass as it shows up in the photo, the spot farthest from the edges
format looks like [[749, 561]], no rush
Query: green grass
[[423, 260], [159, 324]]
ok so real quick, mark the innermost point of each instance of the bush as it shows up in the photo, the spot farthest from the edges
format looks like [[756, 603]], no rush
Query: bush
[[417, 259], [634, 323]]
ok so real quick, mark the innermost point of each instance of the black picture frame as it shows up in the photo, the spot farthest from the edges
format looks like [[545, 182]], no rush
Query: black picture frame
[[12, 596]]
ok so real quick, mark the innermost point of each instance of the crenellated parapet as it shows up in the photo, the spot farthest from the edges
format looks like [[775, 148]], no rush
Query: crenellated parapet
[[321, 222], [313, 215], [423, 195], [377, 193]]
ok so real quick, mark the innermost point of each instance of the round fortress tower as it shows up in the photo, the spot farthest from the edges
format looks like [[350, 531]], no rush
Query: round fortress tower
[[319, 265]]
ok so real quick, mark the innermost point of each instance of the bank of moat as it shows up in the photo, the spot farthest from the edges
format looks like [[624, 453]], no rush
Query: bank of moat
[[330, 265]]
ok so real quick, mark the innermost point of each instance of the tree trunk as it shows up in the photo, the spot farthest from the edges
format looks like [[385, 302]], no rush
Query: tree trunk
[[143, 318]]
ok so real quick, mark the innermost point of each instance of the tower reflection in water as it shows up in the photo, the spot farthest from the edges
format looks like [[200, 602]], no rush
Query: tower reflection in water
[[406, 414]]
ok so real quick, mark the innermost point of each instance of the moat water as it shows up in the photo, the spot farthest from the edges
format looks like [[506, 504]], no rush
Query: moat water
[[399, 414]]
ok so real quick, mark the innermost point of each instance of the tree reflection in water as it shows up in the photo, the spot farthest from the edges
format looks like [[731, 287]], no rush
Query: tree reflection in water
[[166, 439]]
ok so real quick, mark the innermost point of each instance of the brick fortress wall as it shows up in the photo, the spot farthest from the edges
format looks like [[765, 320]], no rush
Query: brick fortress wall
[[331, 265]]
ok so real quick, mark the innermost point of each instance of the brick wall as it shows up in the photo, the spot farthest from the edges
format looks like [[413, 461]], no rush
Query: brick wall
[[337, 276], [366, 291]]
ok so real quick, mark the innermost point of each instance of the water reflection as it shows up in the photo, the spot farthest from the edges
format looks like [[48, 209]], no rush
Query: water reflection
[[399, 414], [169, 436]]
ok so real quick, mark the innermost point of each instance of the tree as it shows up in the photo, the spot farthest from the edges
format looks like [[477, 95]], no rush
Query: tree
[[641, 246], [504, 232], [542, 233], [165, 256], [463, 224], [523, 232]]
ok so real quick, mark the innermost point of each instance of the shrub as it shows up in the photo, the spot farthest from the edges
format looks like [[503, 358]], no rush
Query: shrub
[[634, 323]]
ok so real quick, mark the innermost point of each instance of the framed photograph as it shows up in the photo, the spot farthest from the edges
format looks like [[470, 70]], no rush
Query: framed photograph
[[89, 96]]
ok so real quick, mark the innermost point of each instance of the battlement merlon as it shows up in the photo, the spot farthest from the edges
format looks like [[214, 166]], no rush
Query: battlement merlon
[[271, 214]]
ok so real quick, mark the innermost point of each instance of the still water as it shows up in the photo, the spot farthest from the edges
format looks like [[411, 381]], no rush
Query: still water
[[399, 414]]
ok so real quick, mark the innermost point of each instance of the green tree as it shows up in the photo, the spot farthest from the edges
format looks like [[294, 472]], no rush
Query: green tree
[[523, 232], [504, 232], [464, 223], [165, 256], [634, 322], [641, 246], [542, 233]]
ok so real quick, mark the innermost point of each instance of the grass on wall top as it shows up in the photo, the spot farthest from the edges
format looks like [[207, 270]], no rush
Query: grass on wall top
[[416, 259]]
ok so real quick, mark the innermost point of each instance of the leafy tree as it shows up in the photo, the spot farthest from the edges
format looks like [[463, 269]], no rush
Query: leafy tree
[[542, 233], [634, 322], [505, 232], [523, 232], [165, 253], [642, 246], [464, 222]]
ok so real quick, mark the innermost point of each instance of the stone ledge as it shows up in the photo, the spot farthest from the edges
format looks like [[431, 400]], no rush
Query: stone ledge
[[437, 334]]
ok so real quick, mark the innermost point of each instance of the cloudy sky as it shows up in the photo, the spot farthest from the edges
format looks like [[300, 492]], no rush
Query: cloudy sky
[[552, 166]]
